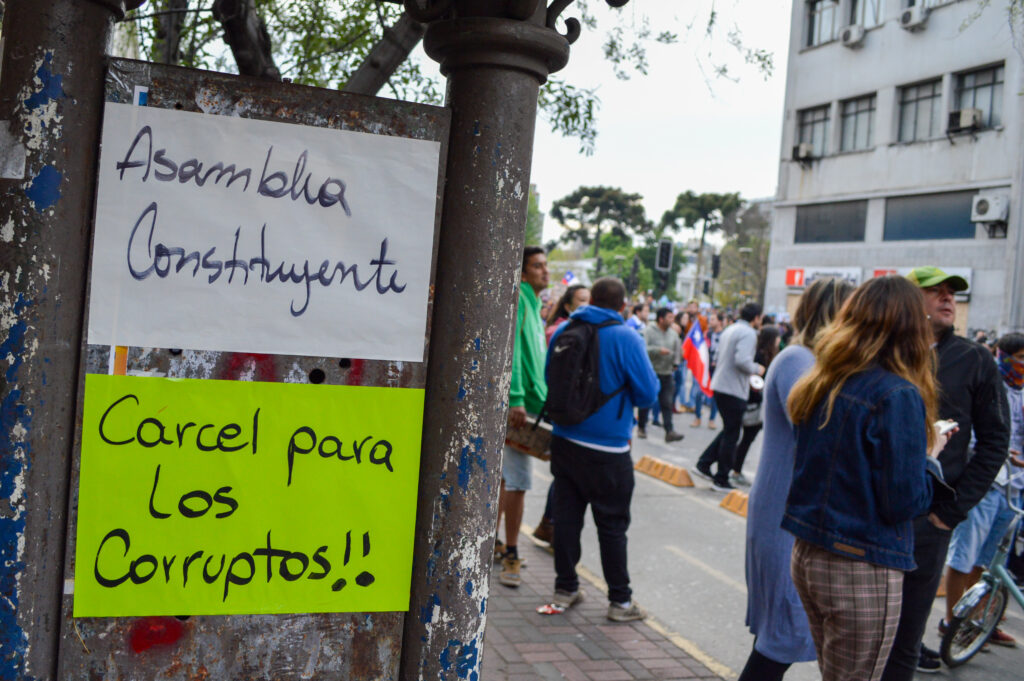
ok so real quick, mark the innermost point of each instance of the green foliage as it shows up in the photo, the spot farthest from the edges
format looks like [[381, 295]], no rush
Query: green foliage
[[744, 256], [589, 212], [322, 43], [570, 111], [702, 212], [534, 219], [706, 212]]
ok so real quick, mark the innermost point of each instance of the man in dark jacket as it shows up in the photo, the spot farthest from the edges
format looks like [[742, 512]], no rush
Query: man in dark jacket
[[971, 394]]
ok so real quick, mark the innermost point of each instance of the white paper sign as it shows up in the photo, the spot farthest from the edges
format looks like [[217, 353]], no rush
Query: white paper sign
[[230, 234]]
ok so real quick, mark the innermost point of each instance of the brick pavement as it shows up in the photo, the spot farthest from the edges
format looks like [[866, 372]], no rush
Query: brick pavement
[[578, 645]]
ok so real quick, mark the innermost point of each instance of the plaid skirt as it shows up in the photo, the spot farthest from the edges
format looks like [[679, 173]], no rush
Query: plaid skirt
[[853, 609]]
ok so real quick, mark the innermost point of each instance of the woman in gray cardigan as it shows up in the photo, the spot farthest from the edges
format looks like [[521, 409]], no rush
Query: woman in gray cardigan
[[775, 614]]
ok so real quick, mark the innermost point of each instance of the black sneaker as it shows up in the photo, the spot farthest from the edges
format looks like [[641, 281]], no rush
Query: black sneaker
[[722, 487], [702, 472], [928, 665], [929, 652]]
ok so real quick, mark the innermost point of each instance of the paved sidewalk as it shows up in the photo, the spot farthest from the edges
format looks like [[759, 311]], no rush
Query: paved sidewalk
[[578, 645]]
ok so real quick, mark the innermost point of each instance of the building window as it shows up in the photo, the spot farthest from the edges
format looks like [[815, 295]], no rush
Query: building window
[[867, 13], [920, 111], [829, 222], [857, 123], [821, 21], [929, 216], [814, 128], [982, 89]]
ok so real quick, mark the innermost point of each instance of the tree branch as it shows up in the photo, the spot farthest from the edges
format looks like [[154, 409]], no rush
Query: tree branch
[[246, 33], [386, 56]]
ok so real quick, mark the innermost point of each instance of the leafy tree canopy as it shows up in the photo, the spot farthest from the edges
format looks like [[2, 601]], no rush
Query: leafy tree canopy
[[324, 42], [589, 212], [701, 212]]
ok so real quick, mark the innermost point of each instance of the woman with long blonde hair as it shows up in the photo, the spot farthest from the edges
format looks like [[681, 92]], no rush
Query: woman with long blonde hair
[[865, 448]]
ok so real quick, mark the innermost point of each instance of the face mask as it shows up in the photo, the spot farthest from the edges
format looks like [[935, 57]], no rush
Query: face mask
[[1012, 369]]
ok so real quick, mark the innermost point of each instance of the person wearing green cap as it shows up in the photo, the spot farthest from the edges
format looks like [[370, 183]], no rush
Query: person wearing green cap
[[971, 393]]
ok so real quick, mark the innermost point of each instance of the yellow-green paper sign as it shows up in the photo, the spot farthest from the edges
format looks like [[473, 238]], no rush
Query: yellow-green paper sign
[[201, 497]]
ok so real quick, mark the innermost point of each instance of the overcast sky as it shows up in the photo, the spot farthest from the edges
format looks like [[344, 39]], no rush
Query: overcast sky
[[676, 128]]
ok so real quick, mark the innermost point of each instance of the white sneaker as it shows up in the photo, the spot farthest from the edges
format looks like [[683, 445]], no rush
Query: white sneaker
[[566, 599], [622, 613]]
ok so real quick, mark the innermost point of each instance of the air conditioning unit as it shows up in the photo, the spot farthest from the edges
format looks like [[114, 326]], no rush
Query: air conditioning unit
[[803, 152], [994, 207], [852, 35], [914, 18], [964, 119]]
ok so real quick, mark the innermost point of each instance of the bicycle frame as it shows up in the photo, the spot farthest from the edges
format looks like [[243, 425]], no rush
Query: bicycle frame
[[996, 574]]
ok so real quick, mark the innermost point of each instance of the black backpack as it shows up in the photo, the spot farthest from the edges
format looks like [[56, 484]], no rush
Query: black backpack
[[573, 375]]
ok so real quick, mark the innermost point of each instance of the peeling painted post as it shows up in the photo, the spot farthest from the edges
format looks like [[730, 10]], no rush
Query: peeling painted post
[[50, 97], [495, 55]]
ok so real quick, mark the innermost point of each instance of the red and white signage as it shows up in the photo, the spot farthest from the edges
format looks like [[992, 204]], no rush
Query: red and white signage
[[801, 277]]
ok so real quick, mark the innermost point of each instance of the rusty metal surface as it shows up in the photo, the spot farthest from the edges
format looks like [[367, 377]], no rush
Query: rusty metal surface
[[325, 646], [50, 90], [495, 67]]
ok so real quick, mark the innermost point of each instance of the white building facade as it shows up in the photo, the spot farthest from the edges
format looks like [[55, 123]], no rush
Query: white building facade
[[902, 146]]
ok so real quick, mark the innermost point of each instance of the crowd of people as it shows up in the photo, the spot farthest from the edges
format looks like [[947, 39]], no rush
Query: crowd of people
[[892, 449]]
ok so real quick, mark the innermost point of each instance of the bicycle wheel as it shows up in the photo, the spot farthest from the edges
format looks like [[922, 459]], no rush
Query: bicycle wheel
[[969, 632]]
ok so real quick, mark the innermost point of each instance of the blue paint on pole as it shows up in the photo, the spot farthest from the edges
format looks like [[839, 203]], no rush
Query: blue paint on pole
[[52, 85], [476, 344], [446, 663], [464, 467], [462, 391], [45, 188], [469, 587], [13, 463], [466, 664], [427, 611]]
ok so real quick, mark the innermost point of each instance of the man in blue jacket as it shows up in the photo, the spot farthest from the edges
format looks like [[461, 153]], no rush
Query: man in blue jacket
[[590, 461]]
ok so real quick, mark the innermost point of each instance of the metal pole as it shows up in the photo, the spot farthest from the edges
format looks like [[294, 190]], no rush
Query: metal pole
[[495, 56], [51, 91]]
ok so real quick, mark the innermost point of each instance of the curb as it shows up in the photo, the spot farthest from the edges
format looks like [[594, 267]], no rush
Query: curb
[[736, 501], [666, 472]]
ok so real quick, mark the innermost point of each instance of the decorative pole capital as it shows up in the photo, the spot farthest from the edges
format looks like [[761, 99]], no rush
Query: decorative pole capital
[[519, 34]]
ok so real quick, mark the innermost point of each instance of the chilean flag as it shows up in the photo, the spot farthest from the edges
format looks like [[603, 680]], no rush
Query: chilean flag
[[569, 279], [695, 352]]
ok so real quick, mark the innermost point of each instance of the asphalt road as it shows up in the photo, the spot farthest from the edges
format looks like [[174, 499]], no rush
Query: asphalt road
[[686, 560]]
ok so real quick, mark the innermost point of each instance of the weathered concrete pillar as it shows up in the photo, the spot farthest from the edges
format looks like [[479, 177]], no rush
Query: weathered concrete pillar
[[51, 90], [495, 54]]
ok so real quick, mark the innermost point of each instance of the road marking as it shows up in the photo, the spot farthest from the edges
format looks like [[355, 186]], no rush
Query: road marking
[[543, 476], [710, 571]]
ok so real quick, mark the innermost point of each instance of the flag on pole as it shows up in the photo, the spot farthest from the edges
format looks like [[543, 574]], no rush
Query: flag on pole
[[695, 352], [569, 279]]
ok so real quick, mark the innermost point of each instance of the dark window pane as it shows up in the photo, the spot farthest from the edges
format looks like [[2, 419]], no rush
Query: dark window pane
[[929, 216], [823, 222]]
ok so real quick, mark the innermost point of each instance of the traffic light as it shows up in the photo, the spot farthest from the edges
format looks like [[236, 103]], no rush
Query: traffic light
[[716, 265], [663, 263], [707, 287]]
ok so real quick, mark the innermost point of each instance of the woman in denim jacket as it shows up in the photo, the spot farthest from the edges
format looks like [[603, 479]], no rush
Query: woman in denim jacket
[[862, 416]]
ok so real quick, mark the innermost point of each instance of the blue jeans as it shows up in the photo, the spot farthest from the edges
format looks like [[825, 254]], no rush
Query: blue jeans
[[680, 394], [701, 398]]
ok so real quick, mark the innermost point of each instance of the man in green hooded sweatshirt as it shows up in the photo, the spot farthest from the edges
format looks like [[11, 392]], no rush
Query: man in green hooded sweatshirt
[[526, 396]]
